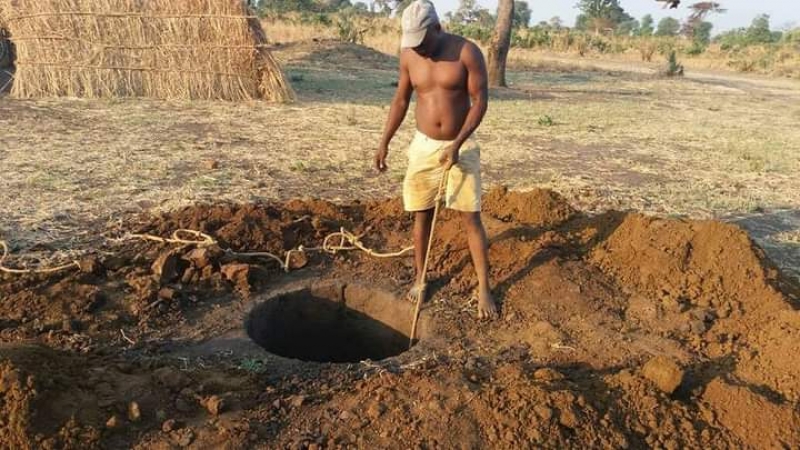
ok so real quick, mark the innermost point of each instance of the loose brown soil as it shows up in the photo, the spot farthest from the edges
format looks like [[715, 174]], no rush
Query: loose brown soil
[[617, 331]]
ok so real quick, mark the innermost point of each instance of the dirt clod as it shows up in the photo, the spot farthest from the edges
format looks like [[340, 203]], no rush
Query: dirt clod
[[113, 422], [168, 266], [200, 257], [214, 405], [169, 425], [166, 293], [664, 373], [91, 265], [298, 401], [134, 413]]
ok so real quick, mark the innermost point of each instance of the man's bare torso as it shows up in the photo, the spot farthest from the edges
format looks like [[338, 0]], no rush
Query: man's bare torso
[[440, 82]]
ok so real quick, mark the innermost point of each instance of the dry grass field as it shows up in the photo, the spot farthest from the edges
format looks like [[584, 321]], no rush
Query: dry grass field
[[606, 135]]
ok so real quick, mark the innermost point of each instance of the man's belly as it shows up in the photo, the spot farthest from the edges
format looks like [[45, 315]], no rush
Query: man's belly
[[440, 116]]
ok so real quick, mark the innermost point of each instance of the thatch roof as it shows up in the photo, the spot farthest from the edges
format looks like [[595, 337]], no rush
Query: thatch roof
[[170, 49]]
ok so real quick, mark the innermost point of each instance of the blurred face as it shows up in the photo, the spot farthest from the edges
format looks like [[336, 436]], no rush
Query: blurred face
[[430, 44]]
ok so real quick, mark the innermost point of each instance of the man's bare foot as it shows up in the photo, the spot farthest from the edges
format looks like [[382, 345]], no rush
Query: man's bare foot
[[487, 308], [417, 293]]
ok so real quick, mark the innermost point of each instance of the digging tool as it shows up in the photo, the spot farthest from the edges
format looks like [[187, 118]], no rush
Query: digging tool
[[421, 287]]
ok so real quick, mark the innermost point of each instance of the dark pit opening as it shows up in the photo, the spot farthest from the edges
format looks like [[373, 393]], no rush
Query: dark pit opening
[[334, 323]]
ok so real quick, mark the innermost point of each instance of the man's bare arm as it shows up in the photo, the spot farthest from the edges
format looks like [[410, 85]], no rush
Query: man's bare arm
[[477, 86], [397, 113]]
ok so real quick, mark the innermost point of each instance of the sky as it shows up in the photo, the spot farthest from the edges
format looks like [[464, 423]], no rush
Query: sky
[[740, 12]]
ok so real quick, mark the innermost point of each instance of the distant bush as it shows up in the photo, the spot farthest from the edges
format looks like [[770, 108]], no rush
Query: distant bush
[[752, 49]]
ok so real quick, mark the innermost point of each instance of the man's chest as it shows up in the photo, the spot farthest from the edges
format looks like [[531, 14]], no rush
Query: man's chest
[[428, 75]]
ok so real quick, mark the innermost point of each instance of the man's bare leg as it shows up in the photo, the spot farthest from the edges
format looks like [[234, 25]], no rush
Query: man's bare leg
[[479, 249], [422, 233]]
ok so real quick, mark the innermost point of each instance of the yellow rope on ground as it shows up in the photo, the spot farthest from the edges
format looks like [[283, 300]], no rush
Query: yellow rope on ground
[[347, 241], [203, 240], [5, 269]]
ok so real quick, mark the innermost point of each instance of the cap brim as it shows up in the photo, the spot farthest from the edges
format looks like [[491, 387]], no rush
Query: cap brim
[[413, 39]]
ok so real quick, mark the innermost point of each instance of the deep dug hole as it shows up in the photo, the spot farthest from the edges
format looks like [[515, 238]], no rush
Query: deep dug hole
[[336, 323], [103, 357]]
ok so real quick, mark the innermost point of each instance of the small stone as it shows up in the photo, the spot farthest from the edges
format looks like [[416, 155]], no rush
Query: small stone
[[167, 267], [345, 415], [298, 400], [664, 373], [298, 260], [199, 257], [277, 404], [184, 437], [214, 405], [188, 275], [166, 293], [134, 413], [169, 425], [211, 164], [90, 265], [112, 422], [235, 271]]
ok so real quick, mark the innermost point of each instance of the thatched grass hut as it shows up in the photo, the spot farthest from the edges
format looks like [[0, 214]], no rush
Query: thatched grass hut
[[168, 49]]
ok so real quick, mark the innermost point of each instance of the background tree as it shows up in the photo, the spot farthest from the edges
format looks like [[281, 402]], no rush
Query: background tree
[[759, 31], [522, 14], [701, 34], [600, 15], [646, 26], [501, 40], [668, 26], [628, 28], [468, 11]]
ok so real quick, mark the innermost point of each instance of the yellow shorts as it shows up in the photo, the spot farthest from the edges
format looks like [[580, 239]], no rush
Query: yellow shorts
[[425, 172]]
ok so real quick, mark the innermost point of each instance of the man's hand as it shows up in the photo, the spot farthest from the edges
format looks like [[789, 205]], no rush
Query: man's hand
[[380, 158], [449, 157]]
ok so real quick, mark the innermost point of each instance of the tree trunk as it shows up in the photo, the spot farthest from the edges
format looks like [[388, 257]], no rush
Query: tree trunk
[[501, 40]]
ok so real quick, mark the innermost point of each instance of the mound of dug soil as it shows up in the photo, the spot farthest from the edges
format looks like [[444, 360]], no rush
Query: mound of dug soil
[[616, 330]]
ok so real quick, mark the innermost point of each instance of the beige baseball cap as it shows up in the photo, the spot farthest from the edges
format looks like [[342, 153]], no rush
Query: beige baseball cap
[[417, 17]]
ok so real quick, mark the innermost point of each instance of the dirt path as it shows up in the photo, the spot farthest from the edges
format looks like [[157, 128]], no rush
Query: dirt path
[[747, 83]]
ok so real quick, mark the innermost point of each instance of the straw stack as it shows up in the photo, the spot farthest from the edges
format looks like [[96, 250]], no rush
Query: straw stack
[[168, 49]]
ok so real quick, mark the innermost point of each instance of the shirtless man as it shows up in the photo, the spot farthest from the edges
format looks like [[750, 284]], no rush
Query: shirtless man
[[449, 75]]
